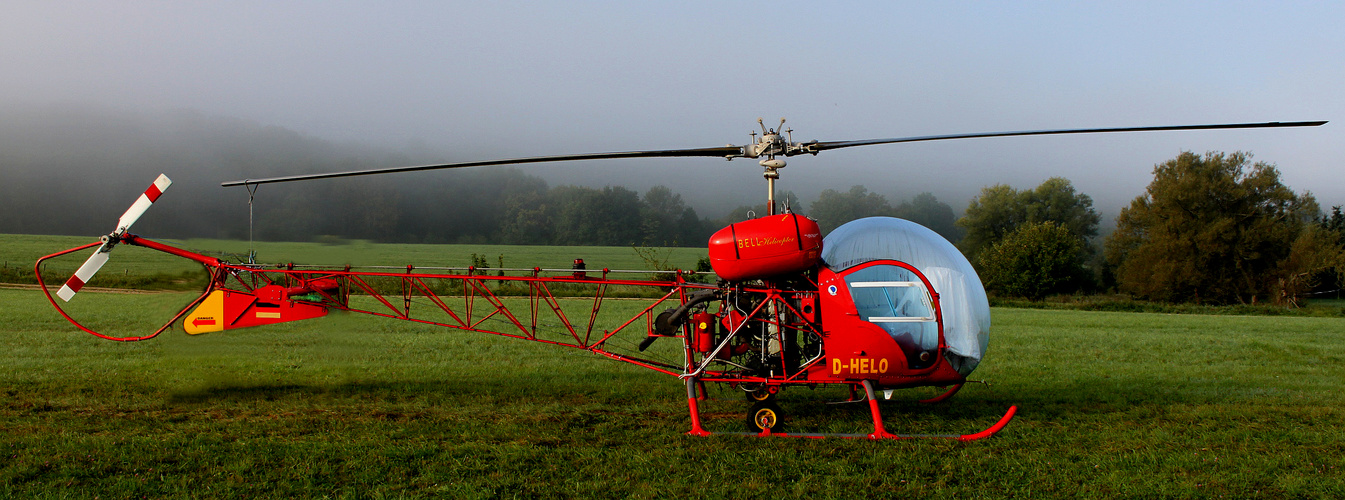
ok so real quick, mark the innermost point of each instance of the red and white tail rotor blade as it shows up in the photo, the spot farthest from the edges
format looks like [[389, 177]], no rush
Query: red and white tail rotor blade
[[142, 204], [100, 256], [83, 275]]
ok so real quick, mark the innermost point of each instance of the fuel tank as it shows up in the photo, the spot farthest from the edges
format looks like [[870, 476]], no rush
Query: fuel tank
[[765, 247]]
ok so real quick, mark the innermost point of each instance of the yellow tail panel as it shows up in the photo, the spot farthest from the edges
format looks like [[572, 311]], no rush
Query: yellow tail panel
[[208, 317]]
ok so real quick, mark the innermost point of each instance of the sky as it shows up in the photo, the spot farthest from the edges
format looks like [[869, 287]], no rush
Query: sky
[[459, 81]]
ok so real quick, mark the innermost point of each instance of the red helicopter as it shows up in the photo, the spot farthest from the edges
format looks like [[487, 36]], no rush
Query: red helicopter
[[878, 304]]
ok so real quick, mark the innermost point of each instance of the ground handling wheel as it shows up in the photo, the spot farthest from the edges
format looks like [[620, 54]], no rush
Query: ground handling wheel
[[765, 415]]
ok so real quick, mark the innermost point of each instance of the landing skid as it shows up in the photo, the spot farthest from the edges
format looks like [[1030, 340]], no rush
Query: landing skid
[[879, 433], [1004, 421]]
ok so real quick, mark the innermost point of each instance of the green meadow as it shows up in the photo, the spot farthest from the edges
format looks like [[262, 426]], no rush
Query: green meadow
[[1111, 404]]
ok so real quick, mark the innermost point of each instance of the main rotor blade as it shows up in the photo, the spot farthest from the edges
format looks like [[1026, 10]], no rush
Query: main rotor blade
[[726, 151], [821, 146], [737, 151]]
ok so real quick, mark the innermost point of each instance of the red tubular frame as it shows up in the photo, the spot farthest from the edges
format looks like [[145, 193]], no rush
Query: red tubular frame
[[465, 316], [37, 270]]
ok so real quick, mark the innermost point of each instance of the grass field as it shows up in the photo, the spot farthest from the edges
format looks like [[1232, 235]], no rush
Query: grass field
[[1111, 405]]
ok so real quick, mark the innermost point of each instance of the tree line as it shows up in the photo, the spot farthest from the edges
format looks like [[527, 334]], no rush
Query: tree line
[[508, 207], [1214, 228]]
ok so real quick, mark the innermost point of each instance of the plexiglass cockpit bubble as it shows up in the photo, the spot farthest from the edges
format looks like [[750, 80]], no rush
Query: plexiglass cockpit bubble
[[962, 299]]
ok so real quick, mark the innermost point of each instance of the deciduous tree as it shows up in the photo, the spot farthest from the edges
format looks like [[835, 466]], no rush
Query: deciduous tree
[[587, 216], [834, 208], [666, 221], [926, 209], [1001, 209], [1213, 228], [1035, 260]]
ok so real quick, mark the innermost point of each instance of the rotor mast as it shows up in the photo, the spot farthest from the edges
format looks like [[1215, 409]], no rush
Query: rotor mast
[[771, 144]]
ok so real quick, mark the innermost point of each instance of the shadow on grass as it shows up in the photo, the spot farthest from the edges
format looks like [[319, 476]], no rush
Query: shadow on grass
[[503, 389], [1076, 402], [236, 393]]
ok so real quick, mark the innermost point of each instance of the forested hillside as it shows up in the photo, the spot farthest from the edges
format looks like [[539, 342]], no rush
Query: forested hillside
[[74, 169]]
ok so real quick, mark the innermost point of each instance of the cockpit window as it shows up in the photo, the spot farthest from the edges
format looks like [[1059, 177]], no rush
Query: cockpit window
[[891, 301], [894, 299]]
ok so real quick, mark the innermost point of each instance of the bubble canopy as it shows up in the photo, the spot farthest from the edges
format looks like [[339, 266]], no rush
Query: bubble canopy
[[962, 299]]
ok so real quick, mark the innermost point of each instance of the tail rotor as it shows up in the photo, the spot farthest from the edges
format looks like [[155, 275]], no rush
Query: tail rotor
[[101, 255]]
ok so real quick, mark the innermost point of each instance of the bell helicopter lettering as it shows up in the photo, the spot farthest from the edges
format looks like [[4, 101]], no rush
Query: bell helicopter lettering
[[878, 304]]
